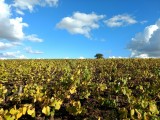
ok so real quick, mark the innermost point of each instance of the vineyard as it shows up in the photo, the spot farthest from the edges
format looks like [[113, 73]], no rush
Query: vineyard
[[99, 89]]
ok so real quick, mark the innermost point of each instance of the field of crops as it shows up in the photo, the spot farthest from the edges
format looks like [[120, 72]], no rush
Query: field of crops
[[99, 89]]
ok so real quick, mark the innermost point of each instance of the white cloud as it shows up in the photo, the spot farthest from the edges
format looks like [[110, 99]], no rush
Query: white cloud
[[146, 43], [8, 45], [4, 46], [12, 55], [11, 31], [29, 50], [120, 20], [80, 23], [9, 54], [26, 4], [33, 38], [52, 2], [30, 4], [66, 58], [144, 21], [22, 57], [81, 57], [11, 28], [19, 12], [115, 57], [5, 10]]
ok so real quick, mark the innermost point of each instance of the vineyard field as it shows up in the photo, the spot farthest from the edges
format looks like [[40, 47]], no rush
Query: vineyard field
[[80, 89]]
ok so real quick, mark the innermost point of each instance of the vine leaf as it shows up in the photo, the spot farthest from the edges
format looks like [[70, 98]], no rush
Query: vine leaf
[[153, 108], [46, 110]]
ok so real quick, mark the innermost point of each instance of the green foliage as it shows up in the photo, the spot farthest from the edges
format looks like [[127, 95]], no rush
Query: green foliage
[[98, 56], [80, 89]]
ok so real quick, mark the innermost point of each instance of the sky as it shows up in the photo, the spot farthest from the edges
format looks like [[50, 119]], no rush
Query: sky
[[78, 29]]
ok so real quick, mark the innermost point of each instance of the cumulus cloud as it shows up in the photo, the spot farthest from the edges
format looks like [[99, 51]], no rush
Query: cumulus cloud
[[4, 46], [29, 50], [33, 38], [120, 20], [30, 4], [12, 55], [10, 28], [11, 31], [80, 23], [147, 43], [8, 45]]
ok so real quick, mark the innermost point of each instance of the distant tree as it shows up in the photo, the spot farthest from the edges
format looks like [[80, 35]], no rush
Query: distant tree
[[98, 56]]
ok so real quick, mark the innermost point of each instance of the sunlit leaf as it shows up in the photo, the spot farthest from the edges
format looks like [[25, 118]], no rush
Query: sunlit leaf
[[139, 115], [153, 108], [132, 113], [102, 87], [31, 112], [24, 110], [56, 104], [1, 100], [1, 111], [19, 115], [9, 117], [46, 110], [72, 90], [4, 91], [13, 111]]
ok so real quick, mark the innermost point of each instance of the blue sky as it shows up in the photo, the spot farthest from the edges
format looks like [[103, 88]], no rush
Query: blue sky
[[79, 28]]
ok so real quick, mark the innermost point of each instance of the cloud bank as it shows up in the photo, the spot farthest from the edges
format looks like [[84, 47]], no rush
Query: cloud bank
[[147, 43], [12, 55], [12, 28]]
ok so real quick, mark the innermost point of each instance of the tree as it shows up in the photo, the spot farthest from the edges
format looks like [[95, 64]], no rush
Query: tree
[[99, 56]]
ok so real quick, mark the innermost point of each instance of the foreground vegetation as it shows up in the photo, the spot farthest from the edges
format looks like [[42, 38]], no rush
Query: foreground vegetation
[[101, 89]]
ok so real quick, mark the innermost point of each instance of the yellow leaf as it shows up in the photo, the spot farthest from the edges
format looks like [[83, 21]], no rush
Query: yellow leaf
[[145, 115], [31, 111], [78, 72], [1, 100], [39, 99], [5, 112], [18, 115], [68, 96], [24, 110], [102, 87], [4, 91], [1, 111], [9, 117], [34, 114], [153, 108], [13, 111], [74, 107], [132, 112], [46, 110], [72, 90], [72, 78], [11, 98], [138, 114], [56, 104]]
